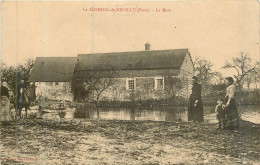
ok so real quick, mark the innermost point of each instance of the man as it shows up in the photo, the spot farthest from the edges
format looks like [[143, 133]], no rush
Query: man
[[22, 98], [195, 107]]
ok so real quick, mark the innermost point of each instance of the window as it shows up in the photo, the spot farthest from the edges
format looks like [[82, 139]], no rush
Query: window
[[130, 83], [159, 83]]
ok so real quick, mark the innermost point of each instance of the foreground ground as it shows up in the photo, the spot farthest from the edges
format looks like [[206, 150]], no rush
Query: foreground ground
[[127, 142]]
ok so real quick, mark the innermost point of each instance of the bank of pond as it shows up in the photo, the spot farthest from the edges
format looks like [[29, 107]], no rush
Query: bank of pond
[[167, 114]]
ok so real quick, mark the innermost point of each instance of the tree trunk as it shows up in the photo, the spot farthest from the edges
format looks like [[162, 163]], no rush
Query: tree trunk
[[239, 92], [97, 106], [255, 84]]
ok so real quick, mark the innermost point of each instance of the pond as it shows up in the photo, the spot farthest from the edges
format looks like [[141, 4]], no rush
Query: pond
[[249, 113]]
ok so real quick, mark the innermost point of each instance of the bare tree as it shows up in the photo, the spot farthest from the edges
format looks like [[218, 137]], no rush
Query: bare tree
[[249, 79], [96, 82], [173, 85], [26, 68], [12, 76], [205, 73], [8, 74], [243, 67], [256, 76]]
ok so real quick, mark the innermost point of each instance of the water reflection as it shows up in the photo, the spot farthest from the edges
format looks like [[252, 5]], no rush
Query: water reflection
[[141, 114], [57, 115], [251, 113]]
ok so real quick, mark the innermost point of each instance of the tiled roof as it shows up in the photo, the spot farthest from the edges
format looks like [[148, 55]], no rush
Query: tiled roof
[[156, 59], [126, 73], [53, 69]]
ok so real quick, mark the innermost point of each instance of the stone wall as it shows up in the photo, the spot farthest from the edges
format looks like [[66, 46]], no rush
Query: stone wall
[[186, 73], [54, 90], [145, 90], [145, 83]]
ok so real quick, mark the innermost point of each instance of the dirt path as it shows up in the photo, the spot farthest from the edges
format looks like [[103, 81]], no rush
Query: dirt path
[[128, 142]]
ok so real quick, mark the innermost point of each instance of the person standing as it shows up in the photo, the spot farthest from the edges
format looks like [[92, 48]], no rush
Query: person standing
[[5, 114], [22, 98], [195, 106], [231, 111]]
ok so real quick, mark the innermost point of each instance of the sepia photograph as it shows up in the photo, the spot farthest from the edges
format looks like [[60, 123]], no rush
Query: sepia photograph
[[130, 82]]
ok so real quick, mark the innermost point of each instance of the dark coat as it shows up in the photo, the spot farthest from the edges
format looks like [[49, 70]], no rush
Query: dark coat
[[22, 97], [19, 94], [195, 113], [220, 112], [4, 91]]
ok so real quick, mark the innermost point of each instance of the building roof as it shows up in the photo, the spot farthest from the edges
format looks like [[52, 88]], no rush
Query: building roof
[[53, 69], [156, 59], [125, 73]]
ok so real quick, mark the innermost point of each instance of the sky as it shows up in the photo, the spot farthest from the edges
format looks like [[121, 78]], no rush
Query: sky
[[217, 30]]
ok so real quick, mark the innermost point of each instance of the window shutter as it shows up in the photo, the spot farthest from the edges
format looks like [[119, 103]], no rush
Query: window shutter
[[155, 83], [126, 84], [163, 82], [135, 83]]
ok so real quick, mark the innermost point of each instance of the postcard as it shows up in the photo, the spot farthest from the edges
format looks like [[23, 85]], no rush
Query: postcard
[[130, 82]]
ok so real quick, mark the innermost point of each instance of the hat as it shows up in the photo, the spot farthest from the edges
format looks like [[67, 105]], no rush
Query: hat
[[195, 77], [230, 79]]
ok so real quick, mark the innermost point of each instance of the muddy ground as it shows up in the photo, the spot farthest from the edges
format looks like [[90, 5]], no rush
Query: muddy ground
[[40, 141]]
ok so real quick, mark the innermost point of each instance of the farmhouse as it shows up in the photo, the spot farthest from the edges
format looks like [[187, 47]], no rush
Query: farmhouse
[[139, 75], [52, 77]]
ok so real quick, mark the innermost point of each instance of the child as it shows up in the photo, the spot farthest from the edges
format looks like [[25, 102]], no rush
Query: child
[[220, 113]]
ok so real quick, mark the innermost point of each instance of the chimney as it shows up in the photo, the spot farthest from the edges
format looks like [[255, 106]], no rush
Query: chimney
[[147, 46]]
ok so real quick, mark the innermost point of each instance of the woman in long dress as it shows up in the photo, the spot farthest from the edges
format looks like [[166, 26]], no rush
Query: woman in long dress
[[5, 114], [232, 116], [195, 107]]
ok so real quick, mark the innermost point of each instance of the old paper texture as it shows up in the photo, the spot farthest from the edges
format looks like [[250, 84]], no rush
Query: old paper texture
[[216, 30]]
